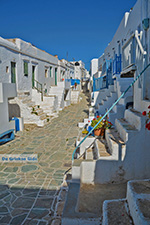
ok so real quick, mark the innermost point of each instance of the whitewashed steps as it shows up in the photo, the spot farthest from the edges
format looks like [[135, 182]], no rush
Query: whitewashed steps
[[138, 197], [116, 212], [116, 146], [116, 112], [134, 210], [126, 130], [70, 212]]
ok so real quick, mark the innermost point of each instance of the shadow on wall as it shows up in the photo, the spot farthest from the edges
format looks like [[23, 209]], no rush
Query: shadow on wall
[[131, 163], [14, 110]]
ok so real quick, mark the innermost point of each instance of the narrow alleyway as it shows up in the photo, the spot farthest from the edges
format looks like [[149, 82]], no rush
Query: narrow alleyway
[[28, 190]]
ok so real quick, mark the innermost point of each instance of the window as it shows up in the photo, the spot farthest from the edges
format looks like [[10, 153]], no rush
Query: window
[[46, 72], [7, 69], [25, 69], [50, 71]]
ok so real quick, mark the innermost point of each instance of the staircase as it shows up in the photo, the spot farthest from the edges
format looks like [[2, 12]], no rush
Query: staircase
[[107, 166], [48, 105], [106, 97], [32, 113], [105, 173], [59, 92], [134, 209], [128, 149], [120, 86]]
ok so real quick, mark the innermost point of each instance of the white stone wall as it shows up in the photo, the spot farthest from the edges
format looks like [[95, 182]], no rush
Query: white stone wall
[[7, 91], [61, 71], [131, 53], [19, 51], [94, 66]]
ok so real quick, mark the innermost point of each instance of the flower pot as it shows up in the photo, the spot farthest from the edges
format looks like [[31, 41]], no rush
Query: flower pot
[[99, 132]]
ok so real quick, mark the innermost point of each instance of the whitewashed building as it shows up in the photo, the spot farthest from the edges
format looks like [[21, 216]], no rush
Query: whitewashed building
[[125, 155], [125, 57], [40, 78]]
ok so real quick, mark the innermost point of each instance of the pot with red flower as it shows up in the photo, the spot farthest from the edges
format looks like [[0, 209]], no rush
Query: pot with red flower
[[99, 130], [147, 126]]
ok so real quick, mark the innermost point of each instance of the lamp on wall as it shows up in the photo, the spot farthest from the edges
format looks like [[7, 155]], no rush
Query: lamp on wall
[[145, 23]]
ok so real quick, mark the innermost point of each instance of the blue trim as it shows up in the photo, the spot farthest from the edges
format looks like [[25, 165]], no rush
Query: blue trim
[[9, 133], [99, 83], [109, 72], [17, 124], [73, 81], [117, 65]]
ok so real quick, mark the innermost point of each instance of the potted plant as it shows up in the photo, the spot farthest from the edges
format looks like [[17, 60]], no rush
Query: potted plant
[[100, 128], [147, 126]]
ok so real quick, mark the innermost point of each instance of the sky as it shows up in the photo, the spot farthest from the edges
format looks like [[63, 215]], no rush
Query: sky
[[80, 30]]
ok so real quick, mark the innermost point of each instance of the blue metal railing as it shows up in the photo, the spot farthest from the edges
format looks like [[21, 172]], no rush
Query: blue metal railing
[[99, 83], [106, 80], [117, 65], [110, 109]]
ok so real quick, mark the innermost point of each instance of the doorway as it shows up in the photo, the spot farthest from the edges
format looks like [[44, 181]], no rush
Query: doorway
[[33, 76], [56, 76], [13, 72]]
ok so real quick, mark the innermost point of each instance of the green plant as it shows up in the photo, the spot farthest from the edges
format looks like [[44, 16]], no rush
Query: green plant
[[47, 119], [103, 124], [34, 113], [38, 106]]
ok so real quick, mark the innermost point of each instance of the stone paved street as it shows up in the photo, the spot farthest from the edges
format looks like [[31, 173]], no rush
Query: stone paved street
[[28, 190]]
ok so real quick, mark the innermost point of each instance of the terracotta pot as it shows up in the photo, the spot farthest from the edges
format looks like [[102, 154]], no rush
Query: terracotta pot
[[99, 132]]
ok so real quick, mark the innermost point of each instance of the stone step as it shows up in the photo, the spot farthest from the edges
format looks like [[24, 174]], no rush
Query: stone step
[[117, 108], [89, 154], [24, 97], [25, 93], [103, 101], [123, 87], [101, 149], [43, 116], [71, 215], [135, 118], [92, 196], [116, 212], [117, 112], [138, 197], [76, 169], [126, 130], [127, 98], [116, 146], [30, 104], [25, 101], [123, 79]]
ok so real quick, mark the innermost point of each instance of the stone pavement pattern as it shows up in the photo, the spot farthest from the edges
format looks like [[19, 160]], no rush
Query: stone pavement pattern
[[28, 191]]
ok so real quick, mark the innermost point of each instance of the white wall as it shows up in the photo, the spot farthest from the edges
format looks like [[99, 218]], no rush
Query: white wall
[[7, 91], [131, 22], [94, 66], [19, 51]]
